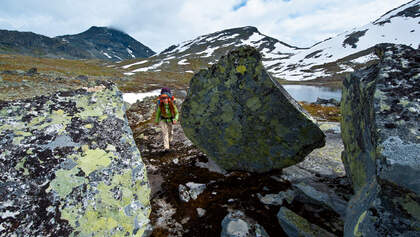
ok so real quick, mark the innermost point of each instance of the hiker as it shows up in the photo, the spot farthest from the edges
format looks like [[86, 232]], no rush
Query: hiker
[[166, 115]]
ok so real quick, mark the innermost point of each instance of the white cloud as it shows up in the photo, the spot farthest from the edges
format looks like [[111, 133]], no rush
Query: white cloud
[[159, 24]]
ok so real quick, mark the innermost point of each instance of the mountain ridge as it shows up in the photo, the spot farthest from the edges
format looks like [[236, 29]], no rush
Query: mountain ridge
[[95, 43], [328, 60]]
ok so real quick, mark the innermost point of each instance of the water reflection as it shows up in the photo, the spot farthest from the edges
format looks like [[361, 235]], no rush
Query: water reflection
[[311, 93]]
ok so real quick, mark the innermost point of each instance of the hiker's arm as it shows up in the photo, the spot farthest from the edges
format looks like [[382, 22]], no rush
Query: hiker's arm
[[176, 113], [157, 120]]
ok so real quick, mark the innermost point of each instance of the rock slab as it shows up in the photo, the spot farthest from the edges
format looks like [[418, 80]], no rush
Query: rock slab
[[381, 136], [69, 167], [243, 119]]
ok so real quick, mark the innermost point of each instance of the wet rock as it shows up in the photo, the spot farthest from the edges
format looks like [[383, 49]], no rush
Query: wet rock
[[243, 119], [236, 224], [69, 166], [381, 136], [295, 225]]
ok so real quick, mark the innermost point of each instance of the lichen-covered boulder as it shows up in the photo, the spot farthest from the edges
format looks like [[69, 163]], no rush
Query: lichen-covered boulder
[[69, 166], [243, 119], [381, 136], [295, 225]]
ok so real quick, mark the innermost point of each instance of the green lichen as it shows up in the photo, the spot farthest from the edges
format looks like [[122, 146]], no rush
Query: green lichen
[[253, 103], [94, 159], [65, 181], [356, 231], [105, 215], [302, 225]]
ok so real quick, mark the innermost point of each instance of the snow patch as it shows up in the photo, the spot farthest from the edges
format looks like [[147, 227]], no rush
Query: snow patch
[[130, 52], [131, 98], [150, 68], [183, 62], [106, 54], [365, 59], [137, 63]]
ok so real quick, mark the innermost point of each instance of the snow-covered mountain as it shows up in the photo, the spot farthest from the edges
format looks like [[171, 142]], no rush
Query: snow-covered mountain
[[107, 43], [190, 56], [353, 49], [94, 43], [329, 59]]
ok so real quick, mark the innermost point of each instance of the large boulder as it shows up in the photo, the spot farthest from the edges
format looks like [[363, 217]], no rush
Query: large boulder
[[243, 119], [69, 166], [381, 136]]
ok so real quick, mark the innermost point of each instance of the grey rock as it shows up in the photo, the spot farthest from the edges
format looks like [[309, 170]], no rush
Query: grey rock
[[277, 198], [201, 212], [236, 224], [82, 78], [322, 194], [66, 163], [380, 107], [190, 191], [243, 119], [327, 102], [295, 225]]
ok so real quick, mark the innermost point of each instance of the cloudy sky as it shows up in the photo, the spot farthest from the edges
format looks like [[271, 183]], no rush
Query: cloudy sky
[[159, 24]]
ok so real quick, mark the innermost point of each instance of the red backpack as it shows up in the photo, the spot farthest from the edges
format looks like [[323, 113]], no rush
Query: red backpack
[[165, 93]]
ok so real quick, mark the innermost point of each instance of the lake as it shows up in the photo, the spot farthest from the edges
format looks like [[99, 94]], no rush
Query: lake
[[298, 92], [311, 93]]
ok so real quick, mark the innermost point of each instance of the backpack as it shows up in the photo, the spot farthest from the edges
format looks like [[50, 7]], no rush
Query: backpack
[[165, 92]]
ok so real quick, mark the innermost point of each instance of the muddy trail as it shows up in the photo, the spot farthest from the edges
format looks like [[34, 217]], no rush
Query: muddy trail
[[191, 195]]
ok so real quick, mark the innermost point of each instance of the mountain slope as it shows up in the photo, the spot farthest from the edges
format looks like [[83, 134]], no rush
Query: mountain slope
[[107, 43], [95, 43], [351, 50], [330, 59], [190, 56], [28, 43]]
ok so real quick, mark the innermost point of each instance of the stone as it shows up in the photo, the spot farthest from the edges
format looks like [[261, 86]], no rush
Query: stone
[[295, 225], [327, 102], [69, 166], [190, 191], [31, 72], [321, 194], [82, 78], [236, 224], [381, 136], [277, 198], [201, 212], [243, 119]]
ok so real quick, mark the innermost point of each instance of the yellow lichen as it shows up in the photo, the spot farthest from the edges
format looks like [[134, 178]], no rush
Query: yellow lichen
[[356, 231], [241, 69]]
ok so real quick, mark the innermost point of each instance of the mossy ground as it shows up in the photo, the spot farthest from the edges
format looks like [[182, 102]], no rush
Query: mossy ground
[[323, 113]]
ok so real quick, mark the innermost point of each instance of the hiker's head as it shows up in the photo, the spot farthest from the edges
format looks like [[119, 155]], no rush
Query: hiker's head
[[165, 90]]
